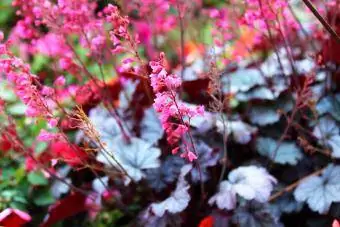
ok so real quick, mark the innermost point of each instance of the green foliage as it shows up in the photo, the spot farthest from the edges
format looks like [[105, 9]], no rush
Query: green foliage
[[43, 197], [37, 178], [107, 218]]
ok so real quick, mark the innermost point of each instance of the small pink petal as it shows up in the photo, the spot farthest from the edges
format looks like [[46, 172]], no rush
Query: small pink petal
[[60, 81], [175, 150], [336, 223], [1, 36], [52, 122], [191, 156]]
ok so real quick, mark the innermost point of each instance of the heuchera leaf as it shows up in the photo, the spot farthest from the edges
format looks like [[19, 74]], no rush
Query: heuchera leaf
[[328, 133], [151, 128], [64, 208], [225, 198], [286, 153], [147, 219], [319, 192], [262, 115], [179, 198], [264, 92], [105, 124], [286, 204], [58, 187], [167, 173], [14, 218], [255, 214], [331, 105], [207, 157], [134, 157], [250, 182], [242, 80], [241, 131], [126, 94]]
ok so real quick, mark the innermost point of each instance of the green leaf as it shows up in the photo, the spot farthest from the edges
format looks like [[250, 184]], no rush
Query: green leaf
[[17, 205], [8, 194], [20, 174], [39, 62], [17, 109], [7, 173], [6, 93], [206, 34], [41, 147], [43, 198], [37, 178], [20, 199]]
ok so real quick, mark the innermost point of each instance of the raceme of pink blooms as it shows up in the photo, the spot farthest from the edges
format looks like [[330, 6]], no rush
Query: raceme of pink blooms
[[27, 87], [120, 34], [151, 9], [174, 115], [221, 31], [64, 17], [68, 16], [260, 13], [52, 45], [45, 136]]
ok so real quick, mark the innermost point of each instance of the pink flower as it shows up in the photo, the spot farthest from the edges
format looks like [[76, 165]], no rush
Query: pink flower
[[169, 107], [60, 81], [191, 156], [1, 36], [52, 122], [45, 136], [48, 91]]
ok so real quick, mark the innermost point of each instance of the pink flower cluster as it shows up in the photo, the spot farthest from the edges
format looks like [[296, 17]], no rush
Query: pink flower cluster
[[120, 29], [151, 9], [175, 115], [27, 86], [68, 16], [259, 13], [63, 17], [222, 26]]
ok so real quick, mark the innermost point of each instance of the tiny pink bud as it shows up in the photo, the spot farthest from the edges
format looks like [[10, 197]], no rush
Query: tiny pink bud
[[46, 91], [175, 150], [191, 156], [1, 36], [52, 122], [127, 61], [45, 136], [60, 81]]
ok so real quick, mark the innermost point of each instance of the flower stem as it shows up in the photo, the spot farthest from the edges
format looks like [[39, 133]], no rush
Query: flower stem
[[322, 20]]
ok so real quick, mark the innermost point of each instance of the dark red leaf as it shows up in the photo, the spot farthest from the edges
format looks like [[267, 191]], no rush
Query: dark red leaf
[[13, 218], [67, 207]]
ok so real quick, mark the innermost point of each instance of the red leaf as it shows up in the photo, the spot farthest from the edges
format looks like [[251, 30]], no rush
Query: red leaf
[[207, 222], [13, 218], [5, 141], [69, 153], [197, 90], [67, 207]]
